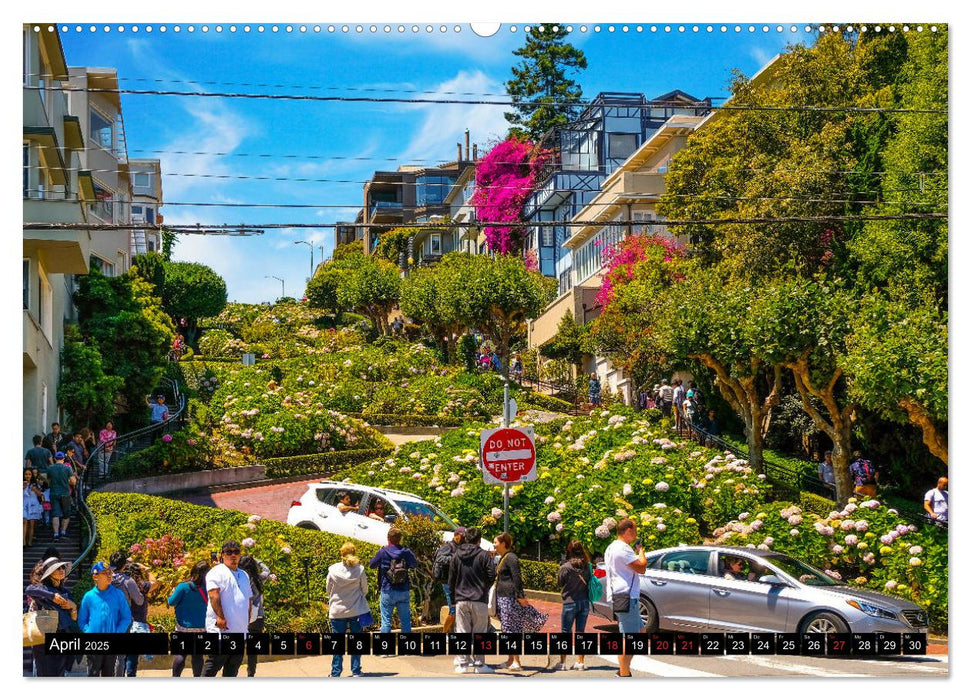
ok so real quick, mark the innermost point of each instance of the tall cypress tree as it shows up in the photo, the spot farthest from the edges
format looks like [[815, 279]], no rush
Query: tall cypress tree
[[541, 77]]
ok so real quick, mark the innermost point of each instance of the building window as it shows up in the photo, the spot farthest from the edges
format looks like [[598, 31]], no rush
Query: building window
[[103, 206], [621, 146], [45, 307], [548, 238], [436, 244], [101, 130], [26, 170], [432, 189], [142, 180], [150, 215], [102, 266], [26, 283]]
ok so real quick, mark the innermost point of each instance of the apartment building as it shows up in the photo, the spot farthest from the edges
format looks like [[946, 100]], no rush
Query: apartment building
[[146, 191], [467, 236], [55, 190], [105, 157], [584, 153]]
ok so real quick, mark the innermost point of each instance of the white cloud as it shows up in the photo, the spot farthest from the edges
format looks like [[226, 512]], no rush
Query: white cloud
[[444, 125]]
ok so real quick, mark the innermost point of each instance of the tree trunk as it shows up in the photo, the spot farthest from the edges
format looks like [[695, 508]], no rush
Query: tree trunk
[[934, 437], [742, 394], [839, 428]]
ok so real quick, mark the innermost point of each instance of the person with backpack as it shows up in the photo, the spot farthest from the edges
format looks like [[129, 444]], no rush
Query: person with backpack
[[574, 579], [865, 476], [443, 560], [471, 574], [392, 562]]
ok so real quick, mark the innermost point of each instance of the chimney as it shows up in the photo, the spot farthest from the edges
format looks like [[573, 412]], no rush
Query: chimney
[[459, 147], [466, 144]]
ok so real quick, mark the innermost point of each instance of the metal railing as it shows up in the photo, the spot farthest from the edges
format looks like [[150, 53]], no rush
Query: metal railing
[[124, 444]]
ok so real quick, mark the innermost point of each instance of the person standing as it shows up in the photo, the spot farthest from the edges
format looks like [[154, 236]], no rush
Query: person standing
[[230, 598], [347, 591], [678, 397], [258, 573], [440, 568], [61, 478], [55, 440], [593, 389], [104, 610], [825, 472], [574, 578], [190, 601], [935, 501], [160, 412], [47, 591], [624, 566], [146, 583], [392, 562], [515, 612], [38, 457], [666, 398], [865, 476], [33, 510], [106, 440], [471, 574]]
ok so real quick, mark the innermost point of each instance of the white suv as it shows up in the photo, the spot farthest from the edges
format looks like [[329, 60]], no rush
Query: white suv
[[317, 510]]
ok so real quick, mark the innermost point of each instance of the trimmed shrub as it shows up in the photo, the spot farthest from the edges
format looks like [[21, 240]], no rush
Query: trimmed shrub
[[392, 419], [539, 575], [278, 467]]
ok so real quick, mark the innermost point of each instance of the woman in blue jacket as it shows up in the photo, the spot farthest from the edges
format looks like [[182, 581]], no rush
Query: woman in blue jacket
[[190, 600]]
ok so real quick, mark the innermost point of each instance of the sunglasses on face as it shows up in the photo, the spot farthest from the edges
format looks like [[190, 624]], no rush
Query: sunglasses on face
[[232, 552]]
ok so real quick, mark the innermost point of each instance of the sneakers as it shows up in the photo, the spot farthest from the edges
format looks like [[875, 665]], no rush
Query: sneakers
[[484, 668], [560, 667], [578, 667], [514, 667], [463, 669]]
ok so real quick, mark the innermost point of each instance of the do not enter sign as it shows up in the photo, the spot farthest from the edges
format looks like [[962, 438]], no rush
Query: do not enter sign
[[508, 455]]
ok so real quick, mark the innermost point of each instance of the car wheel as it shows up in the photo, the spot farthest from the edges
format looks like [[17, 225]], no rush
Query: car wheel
[[308, 526], [824, 623], [648, 613]]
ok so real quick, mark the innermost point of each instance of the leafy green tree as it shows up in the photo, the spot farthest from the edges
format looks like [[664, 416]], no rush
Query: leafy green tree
[[192, 291], [430, 295], [571, 342], [370, 287], [151, 268], [543, 95], [127, 324], [85, 391], [169, 239], [348, 250], [393, 245], [708, 319], [497, 295]]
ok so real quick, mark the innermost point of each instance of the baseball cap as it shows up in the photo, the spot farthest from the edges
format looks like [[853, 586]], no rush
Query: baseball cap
[[59, 455], [99, 567], [460, 531]]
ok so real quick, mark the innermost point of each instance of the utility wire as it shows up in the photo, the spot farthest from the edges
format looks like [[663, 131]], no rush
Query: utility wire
[[190, 228], [503, 103]]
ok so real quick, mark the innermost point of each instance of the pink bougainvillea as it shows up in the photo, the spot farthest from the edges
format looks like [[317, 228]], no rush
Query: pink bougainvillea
[[503, 182], [621, 260]]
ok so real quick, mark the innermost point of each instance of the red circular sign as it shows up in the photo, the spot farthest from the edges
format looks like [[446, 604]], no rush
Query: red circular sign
[[508, 454]]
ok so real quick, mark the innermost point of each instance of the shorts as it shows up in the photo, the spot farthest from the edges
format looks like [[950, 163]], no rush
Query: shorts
[[630, 622], [61, 507]]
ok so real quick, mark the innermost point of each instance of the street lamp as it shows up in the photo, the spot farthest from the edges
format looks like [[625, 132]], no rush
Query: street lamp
[[311, 246], [283, 286]]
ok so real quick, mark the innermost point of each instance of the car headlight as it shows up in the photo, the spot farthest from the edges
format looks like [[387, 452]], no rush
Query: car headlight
[[872, 610]]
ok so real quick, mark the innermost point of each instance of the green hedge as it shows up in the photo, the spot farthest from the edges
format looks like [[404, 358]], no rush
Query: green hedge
[[540, 575], [393, 419], [547, 403], [819, 505], [277, 467]]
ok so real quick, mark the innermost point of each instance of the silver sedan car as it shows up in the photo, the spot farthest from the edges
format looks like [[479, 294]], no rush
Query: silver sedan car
[[731, 589]]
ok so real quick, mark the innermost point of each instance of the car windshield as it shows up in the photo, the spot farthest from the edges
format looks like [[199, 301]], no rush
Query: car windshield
[[801, 572], [414, 509]]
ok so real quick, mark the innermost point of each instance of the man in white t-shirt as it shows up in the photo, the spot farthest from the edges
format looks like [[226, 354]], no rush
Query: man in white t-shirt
[[624, 567], [935, 501], [230, 598]]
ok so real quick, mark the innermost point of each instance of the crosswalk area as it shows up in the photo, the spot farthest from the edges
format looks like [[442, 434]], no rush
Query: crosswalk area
[[786, 666]]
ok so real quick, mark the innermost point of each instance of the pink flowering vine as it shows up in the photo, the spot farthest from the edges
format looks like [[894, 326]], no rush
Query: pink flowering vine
[[622, 259], [503, 182]]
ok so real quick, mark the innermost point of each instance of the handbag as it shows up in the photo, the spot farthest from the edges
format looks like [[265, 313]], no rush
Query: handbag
[[595, 589], [37, 623], [365, 619]]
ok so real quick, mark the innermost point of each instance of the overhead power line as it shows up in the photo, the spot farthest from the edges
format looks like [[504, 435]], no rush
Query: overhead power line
[[498, 103], [188, 228]]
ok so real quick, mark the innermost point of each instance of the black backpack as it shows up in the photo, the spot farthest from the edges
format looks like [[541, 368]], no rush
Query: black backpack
[[443, 560], [397, 572]]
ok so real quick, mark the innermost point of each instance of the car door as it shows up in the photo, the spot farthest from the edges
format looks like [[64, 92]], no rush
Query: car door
[[678, 584], [747, 606], [367, 528], [326, 515]]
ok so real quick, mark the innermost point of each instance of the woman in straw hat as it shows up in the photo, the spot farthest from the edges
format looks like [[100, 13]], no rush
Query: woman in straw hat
[[47, 591]]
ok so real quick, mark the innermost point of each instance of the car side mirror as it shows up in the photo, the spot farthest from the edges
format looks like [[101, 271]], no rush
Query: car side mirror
[[390, 518], [772, 580]]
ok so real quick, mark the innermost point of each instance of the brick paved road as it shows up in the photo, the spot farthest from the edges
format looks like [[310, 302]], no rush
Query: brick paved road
[[272, 501]]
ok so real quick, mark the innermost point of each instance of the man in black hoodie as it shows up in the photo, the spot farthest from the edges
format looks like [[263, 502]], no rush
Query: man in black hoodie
[[471, 573]]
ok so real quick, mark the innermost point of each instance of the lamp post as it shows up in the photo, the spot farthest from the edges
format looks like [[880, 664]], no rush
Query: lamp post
[[283, 286], [311, 246]]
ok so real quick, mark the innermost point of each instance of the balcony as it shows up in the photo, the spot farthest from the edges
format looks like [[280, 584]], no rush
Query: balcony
[[385, 212], [62, 251], [35, 342]]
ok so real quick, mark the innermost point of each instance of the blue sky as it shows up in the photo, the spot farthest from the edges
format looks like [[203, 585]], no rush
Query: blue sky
[[317, 140]]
